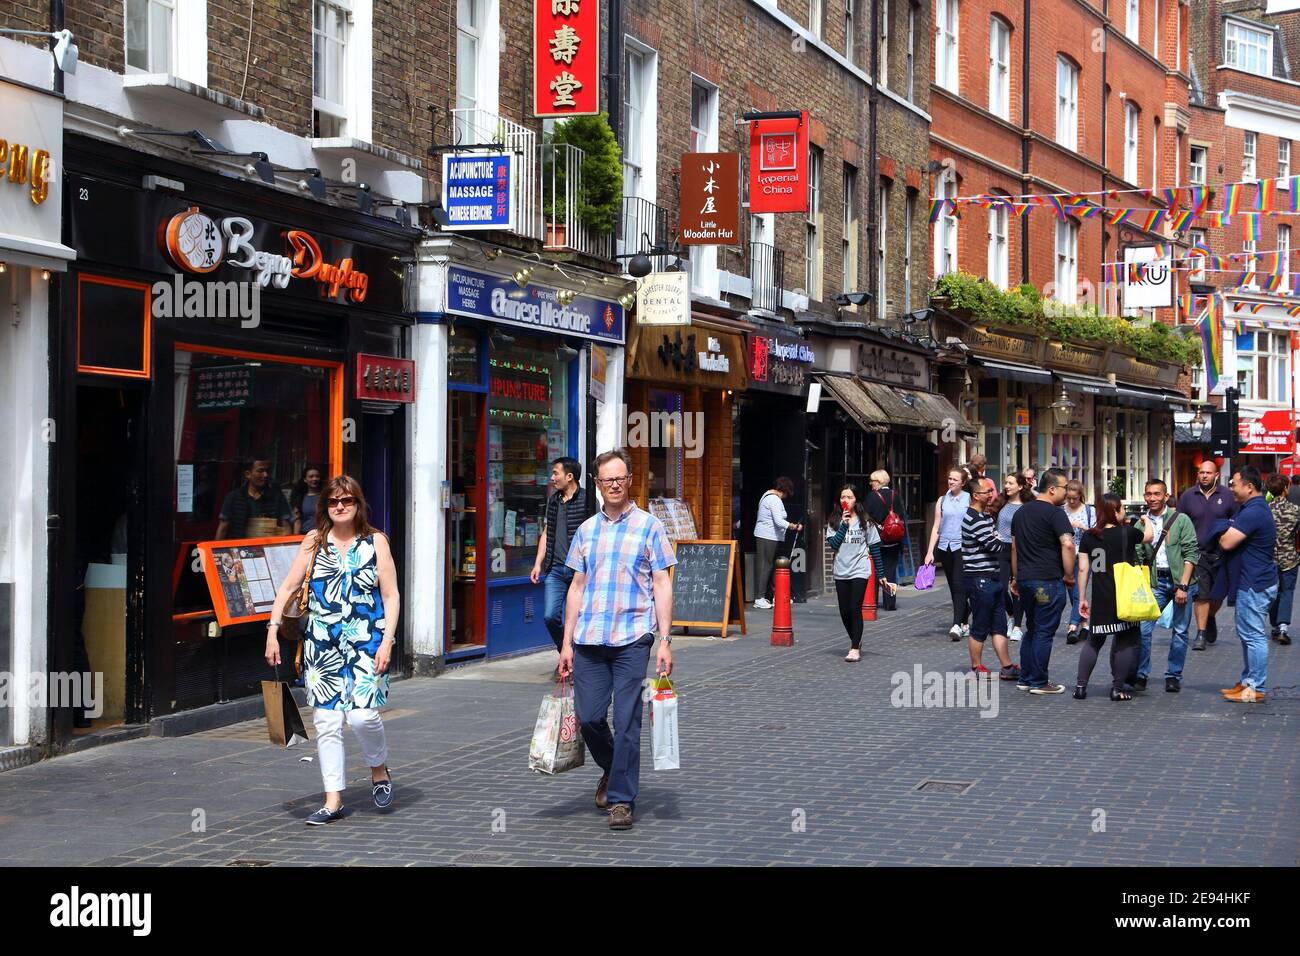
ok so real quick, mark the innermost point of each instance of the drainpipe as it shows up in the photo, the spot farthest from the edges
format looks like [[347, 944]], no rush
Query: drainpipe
[[1105, 124], [873, 174], [56, 24], [1024, 139]]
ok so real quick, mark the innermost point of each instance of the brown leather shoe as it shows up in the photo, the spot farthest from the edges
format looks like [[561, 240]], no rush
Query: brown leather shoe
[[1247, 695], [602, 788], [620, 817], [1235, 689]]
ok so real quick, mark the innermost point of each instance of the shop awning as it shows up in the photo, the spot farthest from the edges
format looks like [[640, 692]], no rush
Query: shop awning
[[939, 412], [1155, 399], [1013, 373], [897, 411], [1088, 384], [849, 394]]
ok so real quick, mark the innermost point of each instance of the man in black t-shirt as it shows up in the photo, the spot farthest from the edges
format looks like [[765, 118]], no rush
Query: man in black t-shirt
[[257, 497], [564, 513], [1042, 567]]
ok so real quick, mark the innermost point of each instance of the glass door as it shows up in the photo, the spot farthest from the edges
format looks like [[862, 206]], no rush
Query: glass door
[[466, 524]]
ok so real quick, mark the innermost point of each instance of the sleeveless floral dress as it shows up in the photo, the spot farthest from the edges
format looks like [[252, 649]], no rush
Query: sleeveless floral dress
[[347, 627]]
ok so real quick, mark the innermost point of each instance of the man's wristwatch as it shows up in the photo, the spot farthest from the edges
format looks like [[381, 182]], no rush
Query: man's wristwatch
[[667, 639], [1181, 587]]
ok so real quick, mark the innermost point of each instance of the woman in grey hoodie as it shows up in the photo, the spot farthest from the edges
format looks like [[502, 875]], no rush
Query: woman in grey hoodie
[[854, 538]]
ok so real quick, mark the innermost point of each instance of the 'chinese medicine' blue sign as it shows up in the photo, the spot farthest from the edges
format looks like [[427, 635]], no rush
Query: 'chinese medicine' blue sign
[[478, 191], [492, 297]]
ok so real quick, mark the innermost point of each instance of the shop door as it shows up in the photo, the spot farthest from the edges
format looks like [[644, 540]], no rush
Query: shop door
[[109, 604], [467, 524], [377, 468]]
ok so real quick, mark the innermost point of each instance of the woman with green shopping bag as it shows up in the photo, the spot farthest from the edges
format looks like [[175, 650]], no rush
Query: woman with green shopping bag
[[1106, 546]]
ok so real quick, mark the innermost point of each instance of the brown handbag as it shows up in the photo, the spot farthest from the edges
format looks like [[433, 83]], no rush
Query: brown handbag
[[292, 621]]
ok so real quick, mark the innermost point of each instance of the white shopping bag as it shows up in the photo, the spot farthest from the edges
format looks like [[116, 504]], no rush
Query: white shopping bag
[[557, 745], [663, 726]]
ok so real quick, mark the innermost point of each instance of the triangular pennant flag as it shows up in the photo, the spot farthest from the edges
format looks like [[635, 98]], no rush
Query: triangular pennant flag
[[936, 206]]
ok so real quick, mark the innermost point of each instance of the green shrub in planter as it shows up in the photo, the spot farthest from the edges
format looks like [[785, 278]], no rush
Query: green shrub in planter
[[601, 200]]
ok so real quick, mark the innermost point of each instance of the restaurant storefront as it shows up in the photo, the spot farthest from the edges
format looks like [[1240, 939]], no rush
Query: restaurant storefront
[[214, 348]]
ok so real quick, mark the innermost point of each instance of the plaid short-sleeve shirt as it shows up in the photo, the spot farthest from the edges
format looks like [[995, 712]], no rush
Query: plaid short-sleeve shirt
[[618, 556]]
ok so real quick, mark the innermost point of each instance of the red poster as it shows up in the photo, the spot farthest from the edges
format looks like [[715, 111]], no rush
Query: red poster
[[384, 379], [566, 57], [778, 165], [1272, 434]]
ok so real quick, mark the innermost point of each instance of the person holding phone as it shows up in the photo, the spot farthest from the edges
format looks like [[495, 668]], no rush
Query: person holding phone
[[854, 538]]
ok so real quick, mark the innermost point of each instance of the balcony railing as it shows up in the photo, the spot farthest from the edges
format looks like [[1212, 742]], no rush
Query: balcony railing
[[643, 226], [561, 197], [767, 276], [475, 126]]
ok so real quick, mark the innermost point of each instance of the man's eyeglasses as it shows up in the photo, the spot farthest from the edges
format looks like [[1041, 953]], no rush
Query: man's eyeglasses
[[345, 502], [612, 482]]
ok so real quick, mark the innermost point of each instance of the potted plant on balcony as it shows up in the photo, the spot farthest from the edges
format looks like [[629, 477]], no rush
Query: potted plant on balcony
[[600, 199]]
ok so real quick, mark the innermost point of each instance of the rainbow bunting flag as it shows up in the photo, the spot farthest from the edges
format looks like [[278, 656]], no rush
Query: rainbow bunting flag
[[1250, 227], [1294, 311], [1232, 198], [1273, 282], [1170, 196], [1212, 343], [936, 206], [1022, 209], [1198, 198], [1266, 199], [1112, 273], [1185, 303], [1058, 206], [1086, 212], [1291, 202], [1152, 220], [1219, 220], [1238, 306], [1258, 307], [1182, 220], [1118, 216]]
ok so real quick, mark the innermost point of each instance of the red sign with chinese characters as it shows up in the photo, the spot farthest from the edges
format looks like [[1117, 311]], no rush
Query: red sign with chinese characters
[[1272, 434], [384, 379], [778, 165], [566, 57]]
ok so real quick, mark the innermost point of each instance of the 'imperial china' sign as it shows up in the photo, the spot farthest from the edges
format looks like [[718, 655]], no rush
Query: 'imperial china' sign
[[778, 165], [566, 57]]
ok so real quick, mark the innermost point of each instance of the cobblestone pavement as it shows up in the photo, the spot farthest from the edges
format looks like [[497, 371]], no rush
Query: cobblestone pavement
[[790, 756]]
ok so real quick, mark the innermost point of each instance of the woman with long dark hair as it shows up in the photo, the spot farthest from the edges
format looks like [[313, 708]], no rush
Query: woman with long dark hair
[[1015, 492], [856, 543], [353, 606], [945, 540], [304, 499], [1107, 543]]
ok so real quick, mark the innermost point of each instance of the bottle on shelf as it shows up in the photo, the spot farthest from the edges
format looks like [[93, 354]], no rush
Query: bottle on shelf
[[468, 562]]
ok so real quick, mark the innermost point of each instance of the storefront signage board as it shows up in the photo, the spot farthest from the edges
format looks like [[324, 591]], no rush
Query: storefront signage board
[[484, 296], [1271, 434], [710, 199], [384, 379], [1074, 358], [1015, 348], [706, 585], [664, 298], [1140, 371], [778, 165], [690, 356], [31, 174], [243, 575], [892, 366], [566, 57], [1148, 281], [478, 191], [779, 364]]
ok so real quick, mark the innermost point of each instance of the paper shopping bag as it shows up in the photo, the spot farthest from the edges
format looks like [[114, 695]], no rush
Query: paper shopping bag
[[283, 722], [663, 726], [557, 745]]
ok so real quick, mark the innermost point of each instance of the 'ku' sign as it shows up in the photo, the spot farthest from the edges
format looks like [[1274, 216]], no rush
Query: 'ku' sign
[[566, 57], [778, 165]]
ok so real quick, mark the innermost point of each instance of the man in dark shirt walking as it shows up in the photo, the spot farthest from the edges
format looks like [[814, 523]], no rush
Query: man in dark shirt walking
[[1252, 579], [1205, 503], [565, 512], [1042, 567]]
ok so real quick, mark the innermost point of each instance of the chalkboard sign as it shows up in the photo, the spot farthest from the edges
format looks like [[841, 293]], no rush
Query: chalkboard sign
[[243, 576], [706, 585]]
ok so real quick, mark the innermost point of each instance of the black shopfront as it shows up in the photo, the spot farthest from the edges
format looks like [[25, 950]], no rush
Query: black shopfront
[[210, 323]]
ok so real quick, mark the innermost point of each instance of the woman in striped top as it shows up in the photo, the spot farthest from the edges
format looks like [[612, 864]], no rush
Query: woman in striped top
[[981, 551], [856, 543], [1015, 492]]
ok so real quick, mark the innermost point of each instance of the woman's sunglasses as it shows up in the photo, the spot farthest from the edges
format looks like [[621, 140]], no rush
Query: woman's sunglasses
[[345, 502]]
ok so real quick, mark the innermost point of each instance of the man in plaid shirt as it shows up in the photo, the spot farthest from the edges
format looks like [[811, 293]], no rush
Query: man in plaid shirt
[[620, 595]]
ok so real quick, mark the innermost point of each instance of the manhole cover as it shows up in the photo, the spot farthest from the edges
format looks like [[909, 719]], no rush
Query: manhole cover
[[249, 863], [467, 858], [943, 786]]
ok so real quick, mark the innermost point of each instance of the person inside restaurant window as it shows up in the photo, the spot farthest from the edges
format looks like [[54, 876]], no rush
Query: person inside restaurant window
[[303, 501], [256, 506]]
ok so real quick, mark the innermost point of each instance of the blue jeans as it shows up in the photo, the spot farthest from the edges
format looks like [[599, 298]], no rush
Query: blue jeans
[[556, 584], [988, 612], [1252, 621], [1280, 612], [1043, 602], [1164, 591], [599, 673]]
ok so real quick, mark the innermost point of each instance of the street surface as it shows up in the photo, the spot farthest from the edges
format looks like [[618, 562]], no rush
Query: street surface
[[790, 756]]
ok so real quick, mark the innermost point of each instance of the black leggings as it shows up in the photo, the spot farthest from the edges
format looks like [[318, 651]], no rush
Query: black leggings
[[1014, 610], [1123, 655], [952, 570], [851, 594]]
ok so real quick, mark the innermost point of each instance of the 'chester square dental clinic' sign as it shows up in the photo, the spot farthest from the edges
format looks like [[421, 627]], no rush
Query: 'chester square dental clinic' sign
[[484, 296]]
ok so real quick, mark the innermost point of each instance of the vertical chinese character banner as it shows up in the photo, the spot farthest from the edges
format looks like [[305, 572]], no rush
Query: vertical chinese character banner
[[710, 199], [778, 165], [566, 57]]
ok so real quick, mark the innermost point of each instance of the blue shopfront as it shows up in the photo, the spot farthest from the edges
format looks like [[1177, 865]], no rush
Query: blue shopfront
[[519, 369]]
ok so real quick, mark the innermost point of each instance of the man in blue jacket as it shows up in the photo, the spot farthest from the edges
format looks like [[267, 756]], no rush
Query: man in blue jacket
[[1252, 578]]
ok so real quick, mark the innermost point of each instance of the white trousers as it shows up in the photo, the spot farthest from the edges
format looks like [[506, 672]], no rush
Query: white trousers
[[369, 729]]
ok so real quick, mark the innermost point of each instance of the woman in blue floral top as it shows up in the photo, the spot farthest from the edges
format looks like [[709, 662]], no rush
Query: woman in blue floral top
[[353, 606]]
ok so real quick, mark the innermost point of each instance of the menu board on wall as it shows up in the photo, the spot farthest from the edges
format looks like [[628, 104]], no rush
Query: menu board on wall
[[676, 517], [244, 575]]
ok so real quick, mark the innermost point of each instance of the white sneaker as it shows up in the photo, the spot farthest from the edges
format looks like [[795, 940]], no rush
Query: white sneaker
[[955, 632], [965, 630], [763, 603], [1016, 634]]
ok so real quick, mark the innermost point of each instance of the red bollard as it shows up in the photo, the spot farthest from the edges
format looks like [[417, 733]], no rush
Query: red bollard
[[782, 632], [869, 599]]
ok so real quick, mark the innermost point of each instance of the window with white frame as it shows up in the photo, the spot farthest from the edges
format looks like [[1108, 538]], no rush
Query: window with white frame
[[1284, 252], [1071, 453], [1130, 142], [998, 260], [470, 21], [1263, 366], [640, 140], [1067, 103], [1067, 261], [151, 35], [1283, 161], [1155, 152], [911, 50], [1250, 142], [909, 216], [945, 227], [1133, 21], [813, 227], [815, 18], [1248, 48], [850, 33], [1125, 451], [883, 73], [1196, 270], [946, 21], [999, 68], [329, 31], [849, 231], [704, 139], [882, 244], [1196, 166]]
